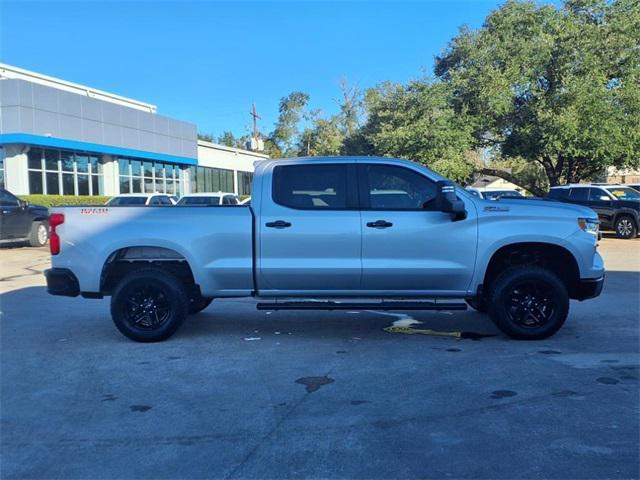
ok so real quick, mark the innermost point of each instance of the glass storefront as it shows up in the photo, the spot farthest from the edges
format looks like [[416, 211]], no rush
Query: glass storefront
[[245, 180], [138, 176], [61, 172], [206, 179]]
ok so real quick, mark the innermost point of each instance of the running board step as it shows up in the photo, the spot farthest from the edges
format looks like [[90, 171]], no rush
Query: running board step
[[330, 305]]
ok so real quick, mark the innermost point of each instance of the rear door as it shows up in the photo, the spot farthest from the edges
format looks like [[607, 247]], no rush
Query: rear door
[[309, 229], [406, 246]]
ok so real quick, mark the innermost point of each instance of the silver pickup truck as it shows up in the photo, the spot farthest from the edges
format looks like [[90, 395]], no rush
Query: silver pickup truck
[[333, 233]]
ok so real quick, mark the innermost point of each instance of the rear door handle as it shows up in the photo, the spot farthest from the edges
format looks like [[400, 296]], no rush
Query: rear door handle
[[278, 224], [379, 224]]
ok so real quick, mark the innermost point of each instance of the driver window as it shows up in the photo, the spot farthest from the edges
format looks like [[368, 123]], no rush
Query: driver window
[[8, 200], [391, 187]]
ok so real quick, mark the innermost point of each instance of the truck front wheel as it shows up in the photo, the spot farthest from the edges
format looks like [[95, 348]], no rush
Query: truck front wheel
[[149, 305], [529, 303]]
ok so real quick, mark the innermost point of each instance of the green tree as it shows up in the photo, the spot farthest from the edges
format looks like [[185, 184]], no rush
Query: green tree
[[417, 122], [207, 137], [554, 87], [228, 138], [286, 132], [324, 137]]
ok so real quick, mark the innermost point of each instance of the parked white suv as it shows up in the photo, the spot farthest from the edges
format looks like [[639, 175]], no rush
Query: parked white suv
[[140, 200], [208, 199]]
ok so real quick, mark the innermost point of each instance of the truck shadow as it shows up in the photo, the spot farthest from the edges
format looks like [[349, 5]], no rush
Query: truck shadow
[[33, 312]]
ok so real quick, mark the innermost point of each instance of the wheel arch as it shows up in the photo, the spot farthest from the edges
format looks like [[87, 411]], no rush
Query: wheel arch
[[557, 258], [126, 259]]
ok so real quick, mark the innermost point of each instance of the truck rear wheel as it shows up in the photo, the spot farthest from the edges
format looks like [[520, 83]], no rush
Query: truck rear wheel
[[149, 305], [529, 303]]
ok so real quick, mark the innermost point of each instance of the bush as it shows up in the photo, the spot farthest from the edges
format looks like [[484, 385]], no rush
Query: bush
[[60, 200]]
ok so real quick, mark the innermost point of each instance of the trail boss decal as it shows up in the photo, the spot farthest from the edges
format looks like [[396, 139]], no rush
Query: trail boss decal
[[94, 211]]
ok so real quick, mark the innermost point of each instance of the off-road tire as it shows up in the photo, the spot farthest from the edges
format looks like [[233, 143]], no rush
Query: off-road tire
[[167, 290], [551, 301]]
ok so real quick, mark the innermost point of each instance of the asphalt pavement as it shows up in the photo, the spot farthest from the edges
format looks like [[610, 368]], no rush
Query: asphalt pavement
[[239, 393]]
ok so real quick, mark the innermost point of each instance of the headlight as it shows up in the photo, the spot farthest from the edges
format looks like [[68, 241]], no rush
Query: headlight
[[589, 225]]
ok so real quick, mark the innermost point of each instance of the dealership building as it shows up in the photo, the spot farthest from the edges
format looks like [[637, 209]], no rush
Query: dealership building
[[61, 138]]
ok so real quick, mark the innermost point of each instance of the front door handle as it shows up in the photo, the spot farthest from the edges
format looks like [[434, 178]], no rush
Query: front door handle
[[278, 224], [379, 224]]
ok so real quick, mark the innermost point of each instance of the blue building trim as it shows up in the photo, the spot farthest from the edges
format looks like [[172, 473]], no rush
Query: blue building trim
[[29, 139]]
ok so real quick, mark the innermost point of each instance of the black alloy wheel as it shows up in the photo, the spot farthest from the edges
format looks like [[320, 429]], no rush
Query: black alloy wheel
[[529, 302], [149, 305]]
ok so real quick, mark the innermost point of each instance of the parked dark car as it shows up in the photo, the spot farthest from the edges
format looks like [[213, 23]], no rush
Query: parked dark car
[[617, 206], [20, 221]]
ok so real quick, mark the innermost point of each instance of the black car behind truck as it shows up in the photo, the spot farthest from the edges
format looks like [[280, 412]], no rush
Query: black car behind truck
[[22, 222], [617, 206]]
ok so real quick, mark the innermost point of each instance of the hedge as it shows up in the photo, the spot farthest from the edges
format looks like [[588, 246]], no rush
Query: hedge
[[59, 200]]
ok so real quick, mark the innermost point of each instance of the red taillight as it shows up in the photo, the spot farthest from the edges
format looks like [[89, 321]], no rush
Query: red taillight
[[55, 219]]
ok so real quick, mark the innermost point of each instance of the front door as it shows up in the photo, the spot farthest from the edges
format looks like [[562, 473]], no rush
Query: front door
[[309, 231], [604, 207], [405, 245], [14, 222]]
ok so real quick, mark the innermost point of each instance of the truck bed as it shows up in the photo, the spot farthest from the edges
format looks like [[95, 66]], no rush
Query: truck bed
[[220, 238]]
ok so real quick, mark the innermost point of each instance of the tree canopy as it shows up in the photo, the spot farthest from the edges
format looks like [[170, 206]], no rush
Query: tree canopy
[[540, 95], [555, 87]]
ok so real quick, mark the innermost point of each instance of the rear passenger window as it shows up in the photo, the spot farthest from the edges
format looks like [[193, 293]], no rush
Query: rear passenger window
[[165, 201], [579, 194], [154, 201], [311, 186]]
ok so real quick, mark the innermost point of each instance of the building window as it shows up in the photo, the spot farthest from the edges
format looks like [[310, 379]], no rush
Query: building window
[[137, 176], [205, 179], [62, 172], [245, 180]]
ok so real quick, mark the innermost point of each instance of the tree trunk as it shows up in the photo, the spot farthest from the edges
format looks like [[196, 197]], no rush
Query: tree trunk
[[552, 173]]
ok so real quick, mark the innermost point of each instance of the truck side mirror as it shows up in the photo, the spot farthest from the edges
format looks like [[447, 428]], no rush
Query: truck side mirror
[[447, 201], [604, 198]]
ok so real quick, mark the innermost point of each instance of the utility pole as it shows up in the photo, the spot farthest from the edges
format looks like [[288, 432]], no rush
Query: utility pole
[[255, 116], [256, 142]]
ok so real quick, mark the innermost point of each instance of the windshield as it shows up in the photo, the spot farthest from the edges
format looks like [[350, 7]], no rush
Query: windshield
[[624, 193], [497, 194], [127, 201], [202, 201]]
